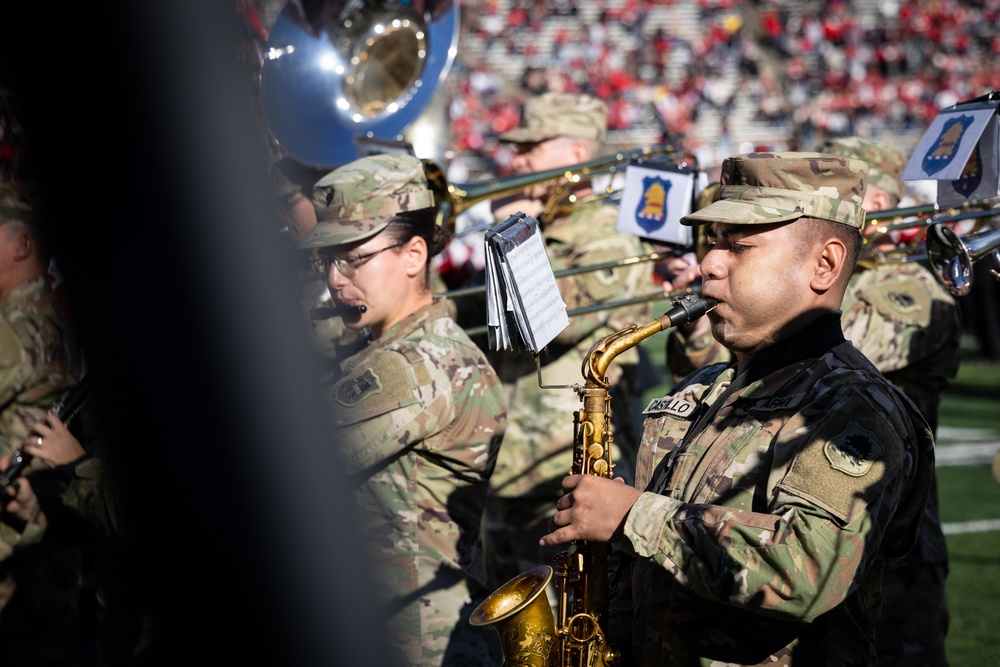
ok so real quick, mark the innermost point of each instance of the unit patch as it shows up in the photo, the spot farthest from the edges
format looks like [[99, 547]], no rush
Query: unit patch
[[855, 453], [903, 300], [672, 405], [353, 391]]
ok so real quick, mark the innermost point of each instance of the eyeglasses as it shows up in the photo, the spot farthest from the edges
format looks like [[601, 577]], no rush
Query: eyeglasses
[[348, 266]]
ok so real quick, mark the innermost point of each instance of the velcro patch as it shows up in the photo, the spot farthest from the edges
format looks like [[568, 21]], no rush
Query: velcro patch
[[384, 383], [839, 474], [903, 300], [672, 405]]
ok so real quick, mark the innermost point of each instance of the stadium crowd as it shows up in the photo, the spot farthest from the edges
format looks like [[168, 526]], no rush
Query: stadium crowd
[[809, 69]]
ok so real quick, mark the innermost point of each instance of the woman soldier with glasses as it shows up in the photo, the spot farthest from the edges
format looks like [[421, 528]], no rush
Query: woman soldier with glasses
[[420, 411]]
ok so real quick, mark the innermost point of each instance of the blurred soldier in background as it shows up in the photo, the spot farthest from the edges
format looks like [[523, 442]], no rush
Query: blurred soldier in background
[[560, 130], [908, 325], [420, 412], [293, 183], [82, 484], [39, 364]]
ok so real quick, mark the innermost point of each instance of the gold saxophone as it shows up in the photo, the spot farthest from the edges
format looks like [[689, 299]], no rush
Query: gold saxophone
[[519, 610]]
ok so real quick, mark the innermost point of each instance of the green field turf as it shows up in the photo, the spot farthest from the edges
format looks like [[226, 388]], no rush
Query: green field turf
[[968, 494]]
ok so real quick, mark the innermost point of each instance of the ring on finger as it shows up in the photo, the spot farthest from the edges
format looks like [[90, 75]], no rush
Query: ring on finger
[[39, 441]]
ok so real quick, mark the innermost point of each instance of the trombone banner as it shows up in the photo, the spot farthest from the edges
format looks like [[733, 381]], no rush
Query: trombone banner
[[655, 198]]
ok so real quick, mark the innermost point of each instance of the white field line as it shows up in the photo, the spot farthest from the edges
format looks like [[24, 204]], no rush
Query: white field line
[[981, 526]]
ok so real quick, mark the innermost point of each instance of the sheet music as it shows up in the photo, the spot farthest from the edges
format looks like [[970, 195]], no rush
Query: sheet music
[[522, 294], [538, 294]]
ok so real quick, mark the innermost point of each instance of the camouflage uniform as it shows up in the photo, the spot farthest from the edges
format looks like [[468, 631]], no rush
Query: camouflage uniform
[[423, 416], [38, 360], [686, 354], [761, 537], [537, 447], [38, 365], [763, 544], [887, 309], [124, 627], [420, 416], [908, 326]]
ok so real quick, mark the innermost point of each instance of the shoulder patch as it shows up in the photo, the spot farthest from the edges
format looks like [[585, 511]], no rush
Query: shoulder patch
[[903, 300], [839, 474], [855, 453], [672, 405], [385, 383], [356, 389]]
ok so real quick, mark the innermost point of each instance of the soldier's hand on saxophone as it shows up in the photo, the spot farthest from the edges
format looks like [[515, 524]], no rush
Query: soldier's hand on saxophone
[[593, 508]]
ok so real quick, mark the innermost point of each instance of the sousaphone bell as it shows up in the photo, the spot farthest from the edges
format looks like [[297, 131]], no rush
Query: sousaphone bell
[[340, 69]]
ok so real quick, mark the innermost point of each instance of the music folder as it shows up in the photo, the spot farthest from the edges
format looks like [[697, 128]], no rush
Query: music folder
[[524, 307]]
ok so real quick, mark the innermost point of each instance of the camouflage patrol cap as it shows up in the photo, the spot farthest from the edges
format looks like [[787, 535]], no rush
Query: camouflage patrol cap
[[885, 163], [553, 115], [762, 188], [358, 200], [16, 203]]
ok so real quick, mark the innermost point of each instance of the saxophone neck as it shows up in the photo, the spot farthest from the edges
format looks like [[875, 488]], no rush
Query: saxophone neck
[[685, 309]]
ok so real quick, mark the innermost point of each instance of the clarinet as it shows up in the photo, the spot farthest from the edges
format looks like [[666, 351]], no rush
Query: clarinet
[[65, 409]]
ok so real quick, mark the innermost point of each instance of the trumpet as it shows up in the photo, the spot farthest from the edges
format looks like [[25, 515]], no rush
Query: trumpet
[[952, 256]]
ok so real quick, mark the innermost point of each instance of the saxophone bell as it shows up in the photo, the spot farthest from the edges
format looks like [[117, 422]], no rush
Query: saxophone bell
[[521, 615]]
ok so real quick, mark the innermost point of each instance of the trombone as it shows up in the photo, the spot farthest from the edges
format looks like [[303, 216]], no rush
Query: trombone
[[658, 295], [455, 198], [885, 223]]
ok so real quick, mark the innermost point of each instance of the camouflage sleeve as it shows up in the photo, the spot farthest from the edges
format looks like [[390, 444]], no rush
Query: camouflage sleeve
[[13, 364], [686, 354], [832, 500], [764, 561], [903, 320], [388, 404], [90, 494], [21, 534]]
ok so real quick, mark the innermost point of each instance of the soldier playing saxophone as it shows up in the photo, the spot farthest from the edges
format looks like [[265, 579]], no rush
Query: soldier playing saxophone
[[771, 490]]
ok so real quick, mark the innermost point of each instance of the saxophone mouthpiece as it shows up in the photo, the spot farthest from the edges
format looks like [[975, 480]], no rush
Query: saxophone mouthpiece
[[327, 312], [688, 308]]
